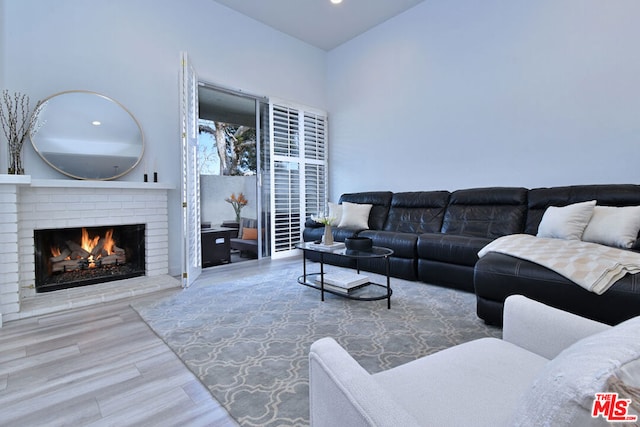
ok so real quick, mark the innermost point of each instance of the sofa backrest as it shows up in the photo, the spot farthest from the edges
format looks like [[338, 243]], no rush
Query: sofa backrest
[[417, 212], [605, 195], [486, 212], [483, 212], [381, 201]]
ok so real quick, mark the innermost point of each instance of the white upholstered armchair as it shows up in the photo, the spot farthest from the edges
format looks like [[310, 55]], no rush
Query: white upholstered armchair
[[545, 371]]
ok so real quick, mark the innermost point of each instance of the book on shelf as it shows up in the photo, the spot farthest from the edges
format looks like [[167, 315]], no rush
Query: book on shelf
[[333, 246], [343, 281], [338, 289]]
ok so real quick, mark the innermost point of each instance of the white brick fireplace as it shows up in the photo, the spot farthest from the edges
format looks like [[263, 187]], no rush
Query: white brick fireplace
[[27, 205]]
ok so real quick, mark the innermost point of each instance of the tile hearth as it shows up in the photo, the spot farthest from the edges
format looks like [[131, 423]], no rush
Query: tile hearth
[[84, 296]]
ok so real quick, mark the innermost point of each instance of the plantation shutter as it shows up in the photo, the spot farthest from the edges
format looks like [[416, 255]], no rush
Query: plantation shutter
[[315, 163], [299, 169], [191, 244]]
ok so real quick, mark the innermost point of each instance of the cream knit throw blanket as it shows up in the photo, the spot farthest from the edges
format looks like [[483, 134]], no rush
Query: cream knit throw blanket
[[594, 267]]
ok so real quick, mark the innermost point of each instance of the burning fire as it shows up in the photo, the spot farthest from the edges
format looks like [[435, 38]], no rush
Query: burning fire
[[89, 244], [55, 251], [89, 249]]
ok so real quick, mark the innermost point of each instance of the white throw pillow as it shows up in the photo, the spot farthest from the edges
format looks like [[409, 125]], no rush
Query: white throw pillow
[[613, 226], [567, 222], [355, 215], [335, 213], [563, 392]]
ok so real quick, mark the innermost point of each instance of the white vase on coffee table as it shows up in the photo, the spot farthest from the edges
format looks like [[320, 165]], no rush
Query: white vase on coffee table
[[328, 235]]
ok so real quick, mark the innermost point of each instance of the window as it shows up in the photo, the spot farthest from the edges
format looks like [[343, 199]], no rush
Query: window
[[299, 171]]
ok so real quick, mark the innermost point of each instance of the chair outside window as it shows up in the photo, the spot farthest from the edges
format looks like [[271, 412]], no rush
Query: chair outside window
[[247, 240]]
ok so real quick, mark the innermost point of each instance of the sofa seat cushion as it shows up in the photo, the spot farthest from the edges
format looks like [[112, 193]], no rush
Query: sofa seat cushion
[[461, 250], [496, 276], [245, 245], [339, 234], [402, 244], [342, 393], [477, 383], [310, 234]]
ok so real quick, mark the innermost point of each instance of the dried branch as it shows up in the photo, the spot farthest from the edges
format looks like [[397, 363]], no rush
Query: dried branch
[[16, 122]]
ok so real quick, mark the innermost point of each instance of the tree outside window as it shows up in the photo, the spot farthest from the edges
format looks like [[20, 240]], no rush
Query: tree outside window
[[226, 149]]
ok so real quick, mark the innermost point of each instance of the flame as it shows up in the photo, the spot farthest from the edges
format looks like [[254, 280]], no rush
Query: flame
[[109, 243], [88, 244]]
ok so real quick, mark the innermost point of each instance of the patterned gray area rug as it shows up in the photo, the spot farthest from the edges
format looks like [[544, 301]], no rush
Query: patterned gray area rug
[[248, 340]]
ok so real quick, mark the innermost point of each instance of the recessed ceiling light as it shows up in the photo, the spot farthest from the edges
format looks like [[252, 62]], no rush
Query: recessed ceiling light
[[336, 1], [96, 123]]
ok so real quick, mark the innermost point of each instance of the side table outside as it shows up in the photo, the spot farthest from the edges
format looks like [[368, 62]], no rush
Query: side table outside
[[216, 246]]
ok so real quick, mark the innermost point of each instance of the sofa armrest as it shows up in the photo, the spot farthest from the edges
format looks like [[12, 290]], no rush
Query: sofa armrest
[[403, 244], [341, 392], [542, 329], [309, 223]]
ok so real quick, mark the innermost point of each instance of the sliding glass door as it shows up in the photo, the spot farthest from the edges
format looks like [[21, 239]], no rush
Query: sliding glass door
[[274, 153], [233, 131]]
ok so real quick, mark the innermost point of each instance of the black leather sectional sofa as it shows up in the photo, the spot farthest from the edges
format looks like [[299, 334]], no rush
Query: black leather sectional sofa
[[436, 237]]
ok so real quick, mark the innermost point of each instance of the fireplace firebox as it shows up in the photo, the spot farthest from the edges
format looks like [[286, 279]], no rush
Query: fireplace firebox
[[71, 257]]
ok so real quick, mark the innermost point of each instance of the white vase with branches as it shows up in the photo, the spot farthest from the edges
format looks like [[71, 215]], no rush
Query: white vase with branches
[[16, 122]]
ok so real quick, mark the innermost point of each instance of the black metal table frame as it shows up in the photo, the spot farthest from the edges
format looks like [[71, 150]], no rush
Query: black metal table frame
[[303, 279]]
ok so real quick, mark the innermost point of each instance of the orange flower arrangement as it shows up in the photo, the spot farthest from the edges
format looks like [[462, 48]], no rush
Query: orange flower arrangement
[[238, 203]]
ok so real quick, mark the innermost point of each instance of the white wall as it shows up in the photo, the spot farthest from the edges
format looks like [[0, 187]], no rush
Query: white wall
[[214, 189], [465, 93], [2, 41], [3, 151], [130, 50], [450, 94]]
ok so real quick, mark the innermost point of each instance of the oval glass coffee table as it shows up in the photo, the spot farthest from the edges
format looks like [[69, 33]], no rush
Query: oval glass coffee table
[[367, 291]]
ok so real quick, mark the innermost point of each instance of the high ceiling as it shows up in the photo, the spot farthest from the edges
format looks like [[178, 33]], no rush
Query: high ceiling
[[319, 22]]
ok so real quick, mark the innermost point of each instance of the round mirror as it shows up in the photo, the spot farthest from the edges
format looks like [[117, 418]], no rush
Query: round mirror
[[86, 135]]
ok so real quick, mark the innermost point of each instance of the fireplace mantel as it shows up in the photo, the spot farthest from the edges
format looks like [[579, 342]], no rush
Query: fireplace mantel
[[29, 204], [75, 183], [15, 179]]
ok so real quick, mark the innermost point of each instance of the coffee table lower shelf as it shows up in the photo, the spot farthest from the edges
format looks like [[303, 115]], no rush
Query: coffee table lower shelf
[[368, 292]]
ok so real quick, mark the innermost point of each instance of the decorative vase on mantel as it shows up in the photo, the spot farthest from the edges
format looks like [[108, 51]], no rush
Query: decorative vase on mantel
[[15, 159], [16, 121], [328, 236]]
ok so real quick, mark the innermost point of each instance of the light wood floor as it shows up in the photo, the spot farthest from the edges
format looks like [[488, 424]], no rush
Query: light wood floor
[[97, 366]]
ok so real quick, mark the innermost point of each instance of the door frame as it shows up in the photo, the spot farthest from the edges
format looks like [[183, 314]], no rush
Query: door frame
[[262, 161], [190, 189]]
